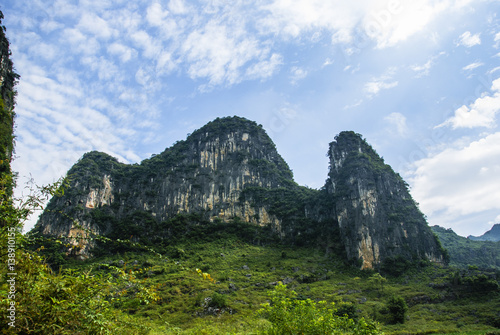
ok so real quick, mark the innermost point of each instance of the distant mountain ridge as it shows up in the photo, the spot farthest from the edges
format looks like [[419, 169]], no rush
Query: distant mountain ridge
[[230, 170], [491, 235], [464, 252]]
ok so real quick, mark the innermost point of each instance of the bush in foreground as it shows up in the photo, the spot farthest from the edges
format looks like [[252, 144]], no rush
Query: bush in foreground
[[291, 316], [397, 308]]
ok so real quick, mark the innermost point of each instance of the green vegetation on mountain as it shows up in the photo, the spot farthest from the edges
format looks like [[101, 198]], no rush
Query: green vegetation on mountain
[[491, 235], [465, 252]]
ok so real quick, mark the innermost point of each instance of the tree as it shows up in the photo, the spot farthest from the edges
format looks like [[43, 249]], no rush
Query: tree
[[377, 281], [397, 308]]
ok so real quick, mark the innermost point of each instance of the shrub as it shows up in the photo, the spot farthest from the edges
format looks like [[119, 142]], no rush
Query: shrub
[[289, 315], [397, 308], [218, 300]]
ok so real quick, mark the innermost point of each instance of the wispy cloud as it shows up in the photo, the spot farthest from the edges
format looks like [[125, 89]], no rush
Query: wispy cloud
[[297, 74], [496, 39], [218, 54], [472, 66], [377, 84], [424, 69], [123, 52], [469, 40], [95, 25], [265, 68], [397, 122]]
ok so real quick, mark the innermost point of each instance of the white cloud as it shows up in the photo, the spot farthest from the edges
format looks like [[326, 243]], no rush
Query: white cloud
[[265, 68], [398, 122], [124, 52], [389, 23], [481, 113], [151, 47], [177, 7], [327, 62], [80, 43], [93, 24], [46, 51], [217, 53], [297, 74], [342, 35], [165, 64], [57, 122], [459, 181], [155, 14], [472, 66], [422, 70], [468, 40], [374, 87], [496, 39], [354, 105], [495, 69], [49, 26], [293, 19], [383, 82], [225, 44]]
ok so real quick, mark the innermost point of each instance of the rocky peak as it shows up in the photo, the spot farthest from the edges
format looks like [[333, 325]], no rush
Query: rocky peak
[[235, 142], [376, 214], [204, 174]]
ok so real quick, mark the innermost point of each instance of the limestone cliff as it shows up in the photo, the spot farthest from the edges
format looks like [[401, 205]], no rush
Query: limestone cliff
[[204, 174], [376, 214], [230, 169]]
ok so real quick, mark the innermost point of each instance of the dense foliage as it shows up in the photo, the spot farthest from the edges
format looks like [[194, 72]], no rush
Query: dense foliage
[[397, 308], [289, 316], [464, 252]]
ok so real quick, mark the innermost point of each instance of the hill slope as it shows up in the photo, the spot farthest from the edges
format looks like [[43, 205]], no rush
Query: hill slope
[[464, 251]]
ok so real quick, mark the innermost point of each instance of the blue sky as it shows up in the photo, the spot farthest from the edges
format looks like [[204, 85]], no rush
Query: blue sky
[[420, 80]]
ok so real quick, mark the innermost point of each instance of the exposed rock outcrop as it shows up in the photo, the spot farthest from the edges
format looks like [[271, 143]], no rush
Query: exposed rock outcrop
[[204, 174], [376, 214]]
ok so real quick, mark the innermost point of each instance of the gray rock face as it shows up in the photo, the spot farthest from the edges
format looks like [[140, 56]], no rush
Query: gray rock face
[[204, 174], [376, 214], [230, 168]]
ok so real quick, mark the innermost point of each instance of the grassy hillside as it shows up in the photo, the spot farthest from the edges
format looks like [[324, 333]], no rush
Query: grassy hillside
[[440, 300], [465, 252]]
